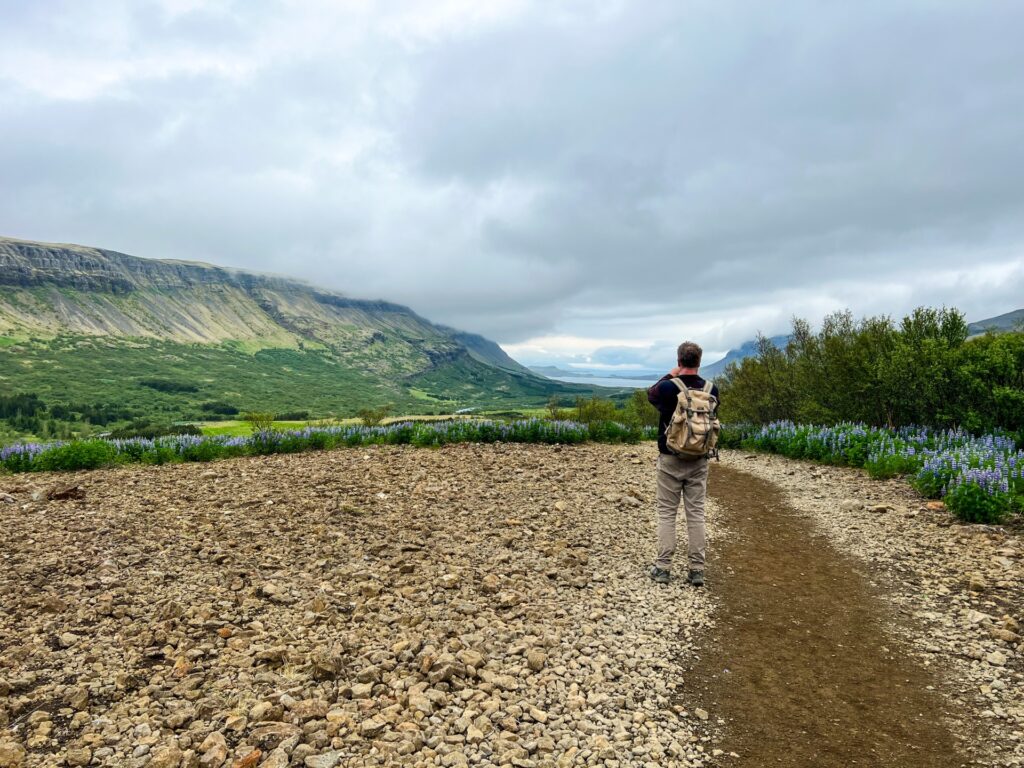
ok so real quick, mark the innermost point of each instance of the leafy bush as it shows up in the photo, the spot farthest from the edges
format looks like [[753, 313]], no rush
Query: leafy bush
[[168, 385], [874, 371], [293, 416], [259, 421], [200, 450], [592, 409], [639, 411], [77, 454], [372, 417], [972, 503], [218, 408]]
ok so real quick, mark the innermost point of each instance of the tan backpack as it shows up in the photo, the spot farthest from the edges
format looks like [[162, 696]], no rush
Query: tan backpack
[[693, 431]]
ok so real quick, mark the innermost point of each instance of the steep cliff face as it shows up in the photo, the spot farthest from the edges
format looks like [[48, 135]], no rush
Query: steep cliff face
[[25, 263], [49, 289]]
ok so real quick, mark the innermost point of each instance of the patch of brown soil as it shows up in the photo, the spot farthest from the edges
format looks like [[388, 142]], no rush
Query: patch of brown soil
[[800, 664]]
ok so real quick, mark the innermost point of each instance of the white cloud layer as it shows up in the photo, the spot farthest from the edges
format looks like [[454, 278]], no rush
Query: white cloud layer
[[579, 180]]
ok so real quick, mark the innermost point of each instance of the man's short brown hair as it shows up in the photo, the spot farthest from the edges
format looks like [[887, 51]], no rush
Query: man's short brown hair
[[689, 354]]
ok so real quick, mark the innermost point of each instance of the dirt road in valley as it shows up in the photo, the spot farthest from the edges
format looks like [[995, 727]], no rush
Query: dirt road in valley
[[800, 665]]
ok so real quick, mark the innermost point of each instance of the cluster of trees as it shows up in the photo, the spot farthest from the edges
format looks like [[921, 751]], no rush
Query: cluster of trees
[[923, 370], [635, 411], [27, 413], [168, 385]]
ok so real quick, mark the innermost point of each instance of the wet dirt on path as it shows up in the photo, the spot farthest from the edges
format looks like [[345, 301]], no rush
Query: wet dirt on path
[[800, 665]]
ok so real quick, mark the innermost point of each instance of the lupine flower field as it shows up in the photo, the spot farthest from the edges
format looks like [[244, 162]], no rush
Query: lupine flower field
[[89, 454], [981, 478]]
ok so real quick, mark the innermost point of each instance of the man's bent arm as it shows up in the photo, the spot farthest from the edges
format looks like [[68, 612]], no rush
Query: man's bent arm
[[652, 391]]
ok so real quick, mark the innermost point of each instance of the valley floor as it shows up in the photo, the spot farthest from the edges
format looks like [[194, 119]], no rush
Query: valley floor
[[486, 605]]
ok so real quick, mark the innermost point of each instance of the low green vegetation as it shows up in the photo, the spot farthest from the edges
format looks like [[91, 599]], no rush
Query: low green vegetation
[[372, 417], [97, 452], [981, 478], [81, 386], [635, 411]]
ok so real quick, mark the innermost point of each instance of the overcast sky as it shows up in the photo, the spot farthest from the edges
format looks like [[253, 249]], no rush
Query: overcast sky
[[577, 180]]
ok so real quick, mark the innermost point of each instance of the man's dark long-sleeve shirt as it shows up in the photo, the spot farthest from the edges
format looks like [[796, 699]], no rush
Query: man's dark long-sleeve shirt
[[664, 395]]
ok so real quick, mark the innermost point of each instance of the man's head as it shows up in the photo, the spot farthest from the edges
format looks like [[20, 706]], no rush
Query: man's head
[[688, 355]]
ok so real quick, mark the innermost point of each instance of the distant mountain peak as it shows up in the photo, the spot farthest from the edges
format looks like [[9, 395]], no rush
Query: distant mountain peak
[[737, 354]]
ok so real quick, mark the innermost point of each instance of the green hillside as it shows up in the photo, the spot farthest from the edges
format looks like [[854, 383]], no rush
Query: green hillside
[[1011, 321], [93, 329]]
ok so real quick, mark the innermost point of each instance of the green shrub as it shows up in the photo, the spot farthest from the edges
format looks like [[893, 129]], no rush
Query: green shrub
[[639, 412], [973, 504], [204, 450], [923, 370], [259, 421], [78, 454], [161, 454], [372, 417], [885, 466], [168, 385], [595, 409], [613, 432], [218, 408]]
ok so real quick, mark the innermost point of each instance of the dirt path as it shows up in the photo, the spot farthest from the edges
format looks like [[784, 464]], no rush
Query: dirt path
[[800, 665]]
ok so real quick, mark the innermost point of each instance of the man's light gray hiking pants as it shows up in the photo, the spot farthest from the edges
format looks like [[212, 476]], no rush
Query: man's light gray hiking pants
[[688, 479]]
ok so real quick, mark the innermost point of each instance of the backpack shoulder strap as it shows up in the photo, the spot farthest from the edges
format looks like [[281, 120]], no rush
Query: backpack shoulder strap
[[683, 389], [709, 385]]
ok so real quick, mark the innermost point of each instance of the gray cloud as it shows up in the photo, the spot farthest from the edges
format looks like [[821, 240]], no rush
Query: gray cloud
[[615, 174]]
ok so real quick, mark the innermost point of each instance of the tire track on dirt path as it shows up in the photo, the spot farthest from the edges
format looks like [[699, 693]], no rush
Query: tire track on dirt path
[[800, 665]]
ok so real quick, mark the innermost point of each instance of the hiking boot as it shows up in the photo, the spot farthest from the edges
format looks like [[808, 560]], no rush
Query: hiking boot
[[658, 575], [696, 578]]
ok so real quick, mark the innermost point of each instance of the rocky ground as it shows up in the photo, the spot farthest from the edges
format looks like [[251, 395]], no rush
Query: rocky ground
[[480, 605], [474, 605], [958, 590]]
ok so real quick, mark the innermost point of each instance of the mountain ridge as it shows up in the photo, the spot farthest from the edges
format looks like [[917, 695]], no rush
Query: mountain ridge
[[49, 288], [738, 354], [63, 302], [1004, 322]]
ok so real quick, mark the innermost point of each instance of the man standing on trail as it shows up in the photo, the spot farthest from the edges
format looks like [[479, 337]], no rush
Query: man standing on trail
[[679, 476]]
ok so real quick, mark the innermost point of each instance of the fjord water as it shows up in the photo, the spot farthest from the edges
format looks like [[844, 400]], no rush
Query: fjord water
[[602, 381]]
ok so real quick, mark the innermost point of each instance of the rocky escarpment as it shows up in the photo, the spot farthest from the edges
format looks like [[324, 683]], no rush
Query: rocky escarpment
[[26, 264]]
